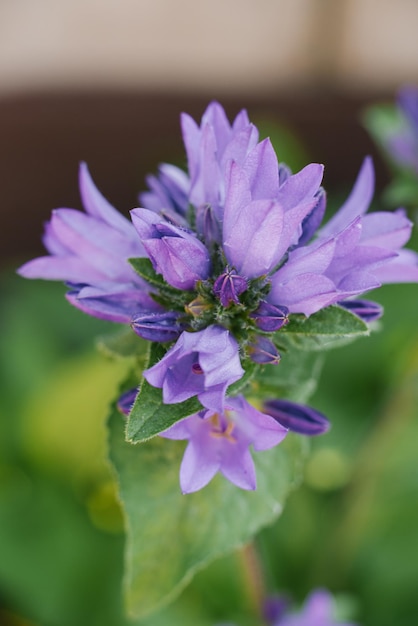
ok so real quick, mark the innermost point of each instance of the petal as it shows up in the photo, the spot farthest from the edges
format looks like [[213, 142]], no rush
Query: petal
[[306, 293], [237, 466], [262, 170], [199, 465], [254, 246], [357, 202], [301, 187], [388, 230], [69, 269], [96, 204]]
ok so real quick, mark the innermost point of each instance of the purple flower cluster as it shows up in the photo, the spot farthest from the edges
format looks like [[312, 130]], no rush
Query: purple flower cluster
[[235, 246]]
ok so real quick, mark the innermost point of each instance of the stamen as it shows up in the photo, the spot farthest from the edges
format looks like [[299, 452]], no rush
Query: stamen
[[219, 432]]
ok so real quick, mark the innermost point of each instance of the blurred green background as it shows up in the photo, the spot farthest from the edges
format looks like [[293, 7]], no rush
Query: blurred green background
[[352, 526]]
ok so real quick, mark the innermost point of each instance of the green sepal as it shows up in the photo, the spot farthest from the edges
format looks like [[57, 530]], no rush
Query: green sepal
[[329, 328], [149, 415]]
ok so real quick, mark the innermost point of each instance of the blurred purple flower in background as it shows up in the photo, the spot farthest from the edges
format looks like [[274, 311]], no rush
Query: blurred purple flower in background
[[318, 610], [403, 144]]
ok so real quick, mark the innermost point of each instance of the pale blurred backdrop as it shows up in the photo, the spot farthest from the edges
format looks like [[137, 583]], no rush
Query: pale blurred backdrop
[[227, 45], [105, 80]]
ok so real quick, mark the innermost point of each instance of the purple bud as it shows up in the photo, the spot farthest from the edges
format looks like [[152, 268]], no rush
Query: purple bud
[[228, 286], [157, 326], [175, 253], [126, 401], [270, 317], [207, 224], [367, 310], [263, 351], [297, 417]]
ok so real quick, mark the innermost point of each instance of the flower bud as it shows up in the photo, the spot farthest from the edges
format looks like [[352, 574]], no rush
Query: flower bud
[[367, 310], [263, 351], [270, 317], [297, 417], [127, 400], [157, 326], [228, 286]]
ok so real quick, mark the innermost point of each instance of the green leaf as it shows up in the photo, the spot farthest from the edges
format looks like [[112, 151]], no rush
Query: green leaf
[[149, 415], [171, 536], [402, 190], [295, 377], [145, 269], [329, 328], [383, 121], [123, 343]]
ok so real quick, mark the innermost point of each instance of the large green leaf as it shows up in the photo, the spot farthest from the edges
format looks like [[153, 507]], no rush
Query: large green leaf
[[328, 328], [171, 536]]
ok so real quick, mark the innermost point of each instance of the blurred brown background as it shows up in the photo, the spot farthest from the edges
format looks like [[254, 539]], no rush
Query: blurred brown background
[[104, 81]]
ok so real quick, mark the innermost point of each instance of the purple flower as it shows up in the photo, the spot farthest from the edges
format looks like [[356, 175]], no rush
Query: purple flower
[[297, 417], [204, 363], [318, 610], [168, 192], [352, 254], [402, 142], [175, 253], [210, 148], [262, 220], [89, 251], [219, 442]]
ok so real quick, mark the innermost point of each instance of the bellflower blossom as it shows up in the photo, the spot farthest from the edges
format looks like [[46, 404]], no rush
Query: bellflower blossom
[[219, 442], [89, 251], [203, 363]]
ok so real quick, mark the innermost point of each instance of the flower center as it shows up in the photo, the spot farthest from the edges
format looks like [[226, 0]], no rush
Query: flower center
[[196, 369], [222, 428]]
